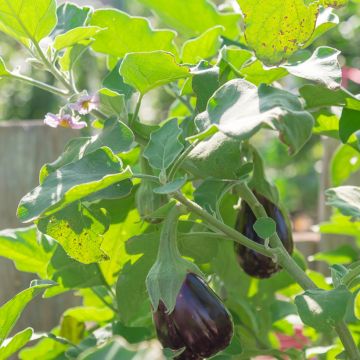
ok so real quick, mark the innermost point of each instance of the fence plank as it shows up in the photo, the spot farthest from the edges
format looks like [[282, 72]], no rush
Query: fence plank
[[24, 147]]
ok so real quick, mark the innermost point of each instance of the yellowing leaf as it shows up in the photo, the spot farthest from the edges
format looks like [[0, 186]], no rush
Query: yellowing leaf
[[276, 29]]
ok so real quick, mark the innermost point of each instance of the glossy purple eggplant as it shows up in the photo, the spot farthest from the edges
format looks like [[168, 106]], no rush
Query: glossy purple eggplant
[[252, 262], [200, 322]]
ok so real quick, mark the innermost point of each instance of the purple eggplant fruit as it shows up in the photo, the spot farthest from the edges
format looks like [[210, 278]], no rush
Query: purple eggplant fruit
[[253, 263], [200, 322]]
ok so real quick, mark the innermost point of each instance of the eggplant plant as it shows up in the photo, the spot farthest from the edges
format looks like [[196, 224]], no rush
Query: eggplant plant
[[141, 218]]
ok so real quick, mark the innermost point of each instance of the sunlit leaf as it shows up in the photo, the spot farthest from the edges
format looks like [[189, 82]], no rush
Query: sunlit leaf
[[3, 70], [115, 135], [112, 103], [203, 47], [345, 198], [23, 248], [344, 254], [11, 311], [117, 42], [147, 70], [72, 274], [322, 309], [322, 67], [94, 172], [24, 21], [14, 344], [276, 29], [74, 36], [193, 17], [79, 231], [240, 109]]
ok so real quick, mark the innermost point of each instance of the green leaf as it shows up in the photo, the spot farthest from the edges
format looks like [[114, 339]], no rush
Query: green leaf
[[219, 157], [10, 312], [345, 198], [203, 47], [70, 16], [344, 254], [72, 55], [344, 162], [325, 22], [79, 231], [193, 18], [131, 290], [349, 124], [170, 187], [208, 195], [23, 21], [23, 248], [319, 96], [74, 36], [117, 42], [115, 135], [205, 82], [71, 274], [90, 313], [265, 227], [113, 104], [147, 70], [276, 29], [357, 305], [94, 172], [115, 82], [18, 341], [164, 145], [322, 67], [239, 109], [236, 62], [321, 309]]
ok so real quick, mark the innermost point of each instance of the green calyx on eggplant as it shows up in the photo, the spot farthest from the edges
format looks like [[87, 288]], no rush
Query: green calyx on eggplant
[[199, 323], [253, 263]]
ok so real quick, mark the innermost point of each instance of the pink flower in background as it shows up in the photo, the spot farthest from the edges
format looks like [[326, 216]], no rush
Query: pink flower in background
[[64, 120], [85, 104]]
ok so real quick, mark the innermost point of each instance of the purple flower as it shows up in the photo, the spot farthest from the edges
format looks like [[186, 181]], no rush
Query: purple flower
[[85, 104], [64, 120]]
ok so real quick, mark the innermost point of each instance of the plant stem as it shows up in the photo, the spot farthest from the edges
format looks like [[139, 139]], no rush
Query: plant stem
[[51, 67], [39, 84], [104, 301], [181, 159], [110, 289], [346, 338], [289, 264], [146, 177], [136, 111], [227, 230]]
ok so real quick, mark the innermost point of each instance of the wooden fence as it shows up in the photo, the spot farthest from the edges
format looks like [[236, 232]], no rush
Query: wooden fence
[[24, 147]]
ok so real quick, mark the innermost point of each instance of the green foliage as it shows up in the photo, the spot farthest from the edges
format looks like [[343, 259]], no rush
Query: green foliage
[[124, 235], [25, 22], [116, 42], [145, 71], [11, 311], [16, 343], [73, 182], [322, 309]]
